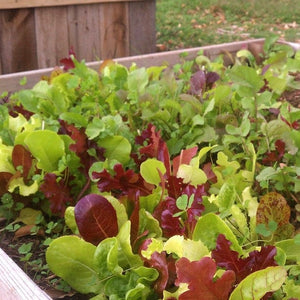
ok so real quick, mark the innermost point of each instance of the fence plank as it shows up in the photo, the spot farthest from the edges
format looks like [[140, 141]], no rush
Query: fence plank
[[35, 38], [17, 42], [11, 4], [84, 31], [52, 37], [142, 31], [15, 284], [114, 30]]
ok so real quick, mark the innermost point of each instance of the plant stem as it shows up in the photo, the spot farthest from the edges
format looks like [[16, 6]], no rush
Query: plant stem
[[87, 185]]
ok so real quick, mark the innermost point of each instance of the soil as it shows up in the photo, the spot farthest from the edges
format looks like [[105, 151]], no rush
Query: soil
[[9, 244], [292, 96]]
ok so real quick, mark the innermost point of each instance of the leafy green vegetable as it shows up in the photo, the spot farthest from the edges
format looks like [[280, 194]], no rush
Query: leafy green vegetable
[[151, 170], [193, 167], [47, 147], [209, 227], [257, 284], [73, 259]]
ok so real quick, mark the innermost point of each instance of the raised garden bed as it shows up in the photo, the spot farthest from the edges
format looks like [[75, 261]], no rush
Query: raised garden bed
[[11, 82], [15, 284], [246, 130], [36, 34]]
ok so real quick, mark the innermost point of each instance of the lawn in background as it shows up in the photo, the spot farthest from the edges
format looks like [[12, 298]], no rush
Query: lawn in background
[[193, 23]]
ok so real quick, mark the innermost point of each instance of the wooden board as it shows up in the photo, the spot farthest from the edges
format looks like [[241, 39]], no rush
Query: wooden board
[[10, 82], [114, 30], [17, 43], [11, 4], [84, 27], [36, 38], [15, 284], [142, 31], [52, 44]]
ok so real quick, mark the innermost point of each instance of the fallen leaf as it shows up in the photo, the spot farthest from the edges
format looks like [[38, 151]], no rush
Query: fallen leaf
[[27, 230]]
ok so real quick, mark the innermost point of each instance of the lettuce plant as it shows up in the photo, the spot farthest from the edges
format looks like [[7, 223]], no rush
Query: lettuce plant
[[174, 182]]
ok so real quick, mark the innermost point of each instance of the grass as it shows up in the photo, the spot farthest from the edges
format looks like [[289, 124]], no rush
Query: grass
[[192, 23]]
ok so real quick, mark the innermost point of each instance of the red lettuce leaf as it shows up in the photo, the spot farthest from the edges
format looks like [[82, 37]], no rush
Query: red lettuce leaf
[[201, 282], [165, 265], [202, 81], [184, 157], [156, 148], [230, 260], [211, 176], [295, 125], [273, 207], [82, 145], [275, 156], [21, 157], [4, 180], [19, 109], [165, 210], [67, 62], [169, 224], [57, 192], [175, 186], [122, 183], [197, 83], [159, 262], [96, 218], [196, 208]]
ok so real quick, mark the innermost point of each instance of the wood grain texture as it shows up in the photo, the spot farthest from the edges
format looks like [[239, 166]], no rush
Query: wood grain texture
[[10, 82], [142, 31], [35, 38], [15, 284], [114, 30], [52, 38], [11, 4], [84, 28], [17, 41]]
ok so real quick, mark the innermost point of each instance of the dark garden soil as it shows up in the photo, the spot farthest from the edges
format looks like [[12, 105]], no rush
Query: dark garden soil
[[48, 282], [292, 96]]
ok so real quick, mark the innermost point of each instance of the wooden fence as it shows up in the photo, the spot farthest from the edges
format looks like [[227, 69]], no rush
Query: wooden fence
[[36, 34]]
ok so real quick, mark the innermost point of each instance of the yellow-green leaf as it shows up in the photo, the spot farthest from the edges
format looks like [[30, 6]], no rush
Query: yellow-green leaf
[[257, 284]]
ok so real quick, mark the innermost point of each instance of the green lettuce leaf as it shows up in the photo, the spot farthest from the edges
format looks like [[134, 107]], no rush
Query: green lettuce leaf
[[209, 227], [257, 284], [72, 259]]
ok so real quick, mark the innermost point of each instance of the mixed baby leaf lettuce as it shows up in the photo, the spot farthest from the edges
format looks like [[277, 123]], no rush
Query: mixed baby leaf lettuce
[[175, 182]]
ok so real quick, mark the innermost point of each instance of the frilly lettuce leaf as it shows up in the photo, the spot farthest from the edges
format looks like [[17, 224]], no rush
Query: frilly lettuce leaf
[[5, 158], [24, 190], [178, 245], [192, 250]]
